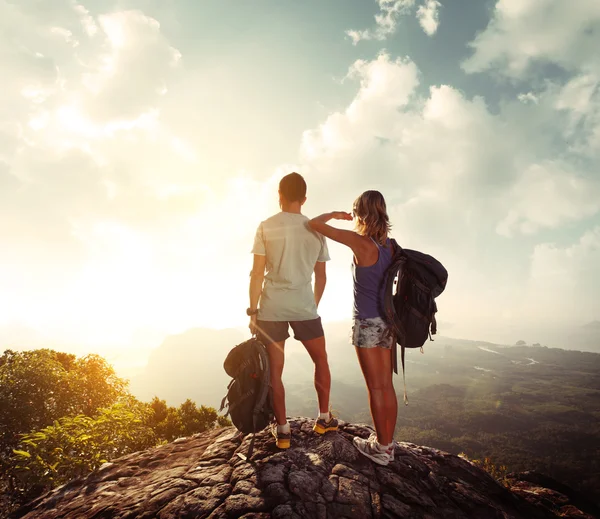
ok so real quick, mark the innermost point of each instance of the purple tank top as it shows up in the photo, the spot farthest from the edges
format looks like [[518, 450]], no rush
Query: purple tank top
[[369, 289]]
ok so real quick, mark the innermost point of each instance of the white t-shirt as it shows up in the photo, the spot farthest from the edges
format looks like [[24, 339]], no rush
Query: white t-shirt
[[292, 249]]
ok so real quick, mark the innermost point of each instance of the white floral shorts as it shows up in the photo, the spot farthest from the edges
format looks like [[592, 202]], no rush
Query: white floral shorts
[[373, 332]]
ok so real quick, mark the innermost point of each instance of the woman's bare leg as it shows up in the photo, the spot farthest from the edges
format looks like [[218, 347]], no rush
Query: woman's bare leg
[[376, 365]]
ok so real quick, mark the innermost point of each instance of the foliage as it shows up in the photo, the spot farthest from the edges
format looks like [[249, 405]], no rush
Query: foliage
[[187, 419], [223, 421], [62, 416], [74, 446], [498, 472], [40, 386]]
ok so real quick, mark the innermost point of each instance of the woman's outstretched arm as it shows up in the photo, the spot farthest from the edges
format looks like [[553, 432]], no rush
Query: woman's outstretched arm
[[348, 238]]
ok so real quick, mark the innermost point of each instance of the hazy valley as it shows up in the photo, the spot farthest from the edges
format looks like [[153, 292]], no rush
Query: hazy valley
[[526, 407]]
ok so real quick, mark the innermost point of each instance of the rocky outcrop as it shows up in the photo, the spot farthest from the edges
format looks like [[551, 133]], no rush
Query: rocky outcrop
[[546, 491], [205, 476]]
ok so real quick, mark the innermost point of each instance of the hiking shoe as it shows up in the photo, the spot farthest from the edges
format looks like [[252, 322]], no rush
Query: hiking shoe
[[321, 426], [373, 450], [392, 448], [283, 440]]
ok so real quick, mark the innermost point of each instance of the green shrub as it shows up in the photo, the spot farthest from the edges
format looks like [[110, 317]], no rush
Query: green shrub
[[75, 446]]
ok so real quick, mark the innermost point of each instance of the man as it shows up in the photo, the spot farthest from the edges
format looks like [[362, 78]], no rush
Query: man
[[290, 252]]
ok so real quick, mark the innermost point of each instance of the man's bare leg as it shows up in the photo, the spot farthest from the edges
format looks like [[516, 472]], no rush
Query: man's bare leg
[[318, 354], [276, 362]]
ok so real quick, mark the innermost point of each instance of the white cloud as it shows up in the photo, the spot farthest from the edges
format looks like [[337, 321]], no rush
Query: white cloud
[[458, 178], [564, 280], [391, 11], [524, 32], [579, 98], [529, 97], [385, 85], [549, 195], [429, 16], [386, 20]]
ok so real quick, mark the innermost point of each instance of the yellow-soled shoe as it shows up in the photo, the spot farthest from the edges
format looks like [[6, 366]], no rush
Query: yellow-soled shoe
[[282, 440], [322, 426]]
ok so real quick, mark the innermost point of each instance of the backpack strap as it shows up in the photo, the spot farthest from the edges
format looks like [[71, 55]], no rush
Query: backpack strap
[[402, 349], [251, 448], [396, 250], [225, 397]]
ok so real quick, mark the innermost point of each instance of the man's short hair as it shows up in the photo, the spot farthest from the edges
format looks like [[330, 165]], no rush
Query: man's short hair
[[293, 187]]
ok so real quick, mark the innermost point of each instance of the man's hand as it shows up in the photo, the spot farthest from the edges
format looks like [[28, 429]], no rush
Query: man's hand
[[252, 325]]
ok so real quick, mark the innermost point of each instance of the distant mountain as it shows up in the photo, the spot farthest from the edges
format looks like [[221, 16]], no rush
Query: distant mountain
[[593, 326], [188, 365], [581, 337], [585, 338]]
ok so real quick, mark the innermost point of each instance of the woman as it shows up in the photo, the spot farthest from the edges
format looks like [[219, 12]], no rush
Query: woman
[[372, 337]]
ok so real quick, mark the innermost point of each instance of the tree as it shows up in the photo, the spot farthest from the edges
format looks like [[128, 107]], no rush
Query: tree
[[40, 386], [196, 419], [164, 420], [498, 472], [33, 392], [93, 384], [170, 422]]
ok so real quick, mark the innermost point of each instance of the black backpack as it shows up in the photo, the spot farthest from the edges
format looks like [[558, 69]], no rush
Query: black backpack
[[247, 399], [418, 279]]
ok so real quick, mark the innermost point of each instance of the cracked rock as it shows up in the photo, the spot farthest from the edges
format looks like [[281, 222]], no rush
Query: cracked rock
[[321, 477]]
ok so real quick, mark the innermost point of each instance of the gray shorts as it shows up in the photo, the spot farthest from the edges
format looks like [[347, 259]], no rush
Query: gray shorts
[[371, 333], [277, 331]]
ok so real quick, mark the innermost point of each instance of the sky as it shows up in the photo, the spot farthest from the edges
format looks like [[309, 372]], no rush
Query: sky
[[141, 143]]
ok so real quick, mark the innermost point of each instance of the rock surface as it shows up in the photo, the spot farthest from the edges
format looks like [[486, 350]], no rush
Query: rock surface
[[318, 477]]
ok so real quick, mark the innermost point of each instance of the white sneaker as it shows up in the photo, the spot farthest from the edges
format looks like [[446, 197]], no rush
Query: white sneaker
[[373, 450], [392, 448]]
